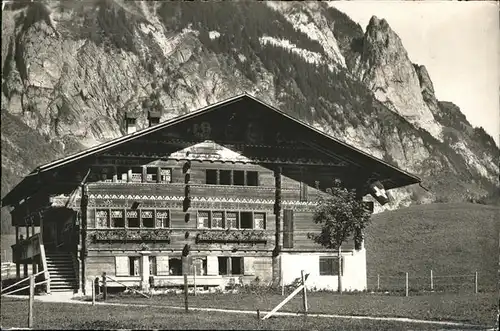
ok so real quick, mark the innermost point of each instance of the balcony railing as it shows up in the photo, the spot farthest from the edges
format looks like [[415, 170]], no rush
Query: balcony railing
[[232, 236]]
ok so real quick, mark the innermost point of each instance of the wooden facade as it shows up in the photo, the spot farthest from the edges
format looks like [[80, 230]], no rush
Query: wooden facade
[[228, 191]]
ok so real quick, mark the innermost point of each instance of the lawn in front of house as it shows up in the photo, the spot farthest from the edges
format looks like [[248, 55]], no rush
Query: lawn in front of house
[[478, 308], [80, 316]]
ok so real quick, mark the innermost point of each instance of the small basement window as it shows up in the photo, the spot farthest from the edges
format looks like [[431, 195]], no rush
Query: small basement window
[[246, 221], [148, 220], [117, 219], [225, 177], [237, 266], [239, 177], [211, 176], [252, 178], [175, 266], [134, 265], [133, 219], [223, 264], [329, 266]]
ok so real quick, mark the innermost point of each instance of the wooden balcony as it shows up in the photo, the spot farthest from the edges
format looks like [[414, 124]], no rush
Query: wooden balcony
[[27, 249], [128, 235]]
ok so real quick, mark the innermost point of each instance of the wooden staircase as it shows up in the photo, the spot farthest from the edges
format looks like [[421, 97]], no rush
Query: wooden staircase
[[62, 272]]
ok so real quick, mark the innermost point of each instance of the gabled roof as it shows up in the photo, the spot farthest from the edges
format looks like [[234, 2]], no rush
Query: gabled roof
[[15, 194]]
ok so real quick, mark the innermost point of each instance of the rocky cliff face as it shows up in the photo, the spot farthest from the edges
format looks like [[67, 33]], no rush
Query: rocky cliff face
[[71, 70]]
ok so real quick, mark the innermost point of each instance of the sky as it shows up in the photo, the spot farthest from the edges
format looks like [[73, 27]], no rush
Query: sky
[[459, 44]]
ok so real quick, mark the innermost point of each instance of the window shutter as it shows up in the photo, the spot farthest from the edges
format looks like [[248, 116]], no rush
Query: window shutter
[[212, 266], [248, 265], [121, 264], [162, 267]]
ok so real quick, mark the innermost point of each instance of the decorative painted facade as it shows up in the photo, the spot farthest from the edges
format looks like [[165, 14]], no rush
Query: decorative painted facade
[[227, 192]]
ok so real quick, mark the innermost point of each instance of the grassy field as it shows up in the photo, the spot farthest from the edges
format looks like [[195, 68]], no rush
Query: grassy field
[[450, 239], [474, 309], [74, 316]]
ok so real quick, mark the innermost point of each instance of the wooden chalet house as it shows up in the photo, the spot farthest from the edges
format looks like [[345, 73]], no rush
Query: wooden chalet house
[[227, 191]]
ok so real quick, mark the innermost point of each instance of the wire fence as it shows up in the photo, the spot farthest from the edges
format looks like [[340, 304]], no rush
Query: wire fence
[[430, 283]]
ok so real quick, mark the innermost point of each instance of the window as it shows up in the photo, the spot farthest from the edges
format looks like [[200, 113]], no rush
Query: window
[[329, 266], [225, 177], [175, 266], [166, 175], [223, 264], [122, 173], [203, 219], [151, 175], [236, 265], [117, 219], [101, 218], [238, 177], [152, 266], [133, 219], [230, 265], [162, 219], [211, 176], [232, 177], [136, 175], [134, 265], [252, 178], [231, 220], [246, 221], [147, 219], [259, 220], [217, 220]]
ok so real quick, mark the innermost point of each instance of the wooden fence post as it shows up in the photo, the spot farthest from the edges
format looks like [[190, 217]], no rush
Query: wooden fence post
[[406, 285], [378, 282], [304, 291], [104, 287], [432, 282], [186, 307], [30, 304], [475, 283]]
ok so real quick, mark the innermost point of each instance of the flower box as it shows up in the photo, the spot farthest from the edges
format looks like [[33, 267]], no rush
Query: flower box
[[232, 236]]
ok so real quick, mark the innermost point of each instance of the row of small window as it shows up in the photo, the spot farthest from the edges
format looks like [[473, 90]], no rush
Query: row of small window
[[133, 174], [231, 220], [132, 218], [328, 266], [227, 266], [232, 177]]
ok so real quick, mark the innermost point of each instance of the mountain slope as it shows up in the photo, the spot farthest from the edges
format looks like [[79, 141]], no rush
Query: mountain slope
[[71, 70]]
